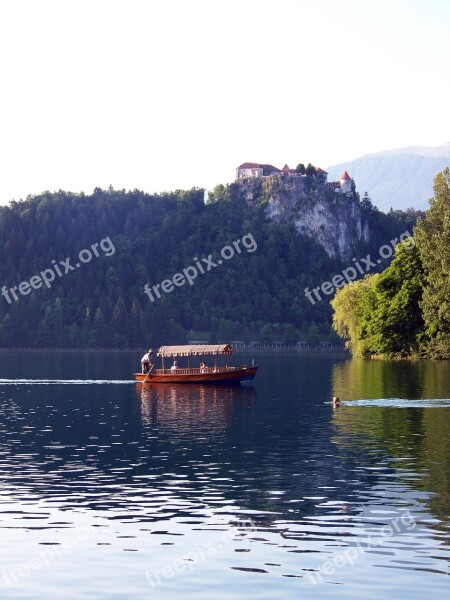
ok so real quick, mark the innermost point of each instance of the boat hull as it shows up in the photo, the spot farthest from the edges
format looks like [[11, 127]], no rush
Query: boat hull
[[227, 376]]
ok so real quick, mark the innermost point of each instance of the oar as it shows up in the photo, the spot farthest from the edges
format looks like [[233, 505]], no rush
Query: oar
[[148, 373]]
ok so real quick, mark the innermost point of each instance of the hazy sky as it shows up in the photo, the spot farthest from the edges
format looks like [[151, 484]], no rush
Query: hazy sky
[[168, 94]]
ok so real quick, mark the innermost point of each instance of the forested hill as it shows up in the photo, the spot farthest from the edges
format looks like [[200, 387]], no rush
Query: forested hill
[[78, 265]]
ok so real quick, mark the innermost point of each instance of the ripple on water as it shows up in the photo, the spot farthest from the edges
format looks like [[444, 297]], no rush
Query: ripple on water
[[245, 493]]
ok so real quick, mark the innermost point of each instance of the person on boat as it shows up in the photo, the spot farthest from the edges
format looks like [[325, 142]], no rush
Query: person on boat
[[147, 361], [174, 367], [203, 367]]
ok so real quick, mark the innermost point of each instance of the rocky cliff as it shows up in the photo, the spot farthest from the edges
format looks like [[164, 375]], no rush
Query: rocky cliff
[[335, 221]]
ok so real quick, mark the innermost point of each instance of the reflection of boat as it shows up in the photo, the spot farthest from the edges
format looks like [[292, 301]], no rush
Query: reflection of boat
[[179, 406], [201, 374], [192, 409]]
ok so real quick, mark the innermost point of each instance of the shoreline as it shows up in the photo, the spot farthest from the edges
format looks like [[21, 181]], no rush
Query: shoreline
[[237, 350]]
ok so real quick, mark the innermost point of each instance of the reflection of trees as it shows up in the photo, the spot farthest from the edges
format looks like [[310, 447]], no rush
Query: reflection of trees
[[360, 378], [435, 459], [417, 440]]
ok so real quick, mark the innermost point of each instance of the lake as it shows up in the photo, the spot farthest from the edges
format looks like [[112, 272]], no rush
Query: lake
[[110, 489]]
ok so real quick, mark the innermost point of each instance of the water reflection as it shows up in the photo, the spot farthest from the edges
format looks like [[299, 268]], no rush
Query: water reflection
[[359, 378], [158, 470], [411, 443], [189, 408]]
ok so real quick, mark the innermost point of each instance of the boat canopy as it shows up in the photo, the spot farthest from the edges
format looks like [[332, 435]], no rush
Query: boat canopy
[[196, 350]]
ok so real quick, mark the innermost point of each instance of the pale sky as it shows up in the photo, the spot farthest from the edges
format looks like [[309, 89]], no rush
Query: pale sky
[[171, 94]]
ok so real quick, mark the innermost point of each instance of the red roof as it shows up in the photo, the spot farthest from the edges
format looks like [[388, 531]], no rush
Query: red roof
[[345, 175], [269, 169], [265, 167], [286, 169], [249, 165], [319, 170]]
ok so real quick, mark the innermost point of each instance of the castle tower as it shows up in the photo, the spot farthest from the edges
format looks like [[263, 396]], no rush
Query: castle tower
[[345, 183]]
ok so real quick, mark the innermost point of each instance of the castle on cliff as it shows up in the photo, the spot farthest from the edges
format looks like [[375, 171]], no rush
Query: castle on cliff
[[345, 185]]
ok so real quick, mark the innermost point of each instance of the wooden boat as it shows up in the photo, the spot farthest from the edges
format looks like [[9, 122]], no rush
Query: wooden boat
[[202, 374]]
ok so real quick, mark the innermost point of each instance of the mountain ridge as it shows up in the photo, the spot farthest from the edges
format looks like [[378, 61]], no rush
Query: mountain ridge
[[397, 178]]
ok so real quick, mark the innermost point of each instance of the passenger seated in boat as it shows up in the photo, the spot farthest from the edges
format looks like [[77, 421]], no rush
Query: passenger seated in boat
[[147, 361], [203, 367], [174, 367]]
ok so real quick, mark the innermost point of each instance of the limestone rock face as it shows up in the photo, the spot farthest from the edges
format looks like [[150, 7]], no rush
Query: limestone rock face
[[332, 219]]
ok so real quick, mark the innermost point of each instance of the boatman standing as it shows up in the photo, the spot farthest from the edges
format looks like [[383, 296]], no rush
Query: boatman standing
[[147, 362]]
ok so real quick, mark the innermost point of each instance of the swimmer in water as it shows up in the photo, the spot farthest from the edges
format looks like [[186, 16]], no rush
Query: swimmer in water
[[336, 401]]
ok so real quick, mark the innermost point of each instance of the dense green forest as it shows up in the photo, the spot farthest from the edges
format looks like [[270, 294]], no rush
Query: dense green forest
[[102, 302], [405, 310]]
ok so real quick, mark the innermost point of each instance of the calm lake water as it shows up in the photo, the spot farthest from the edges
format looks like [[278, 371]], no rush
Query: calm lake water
[[113, 490]]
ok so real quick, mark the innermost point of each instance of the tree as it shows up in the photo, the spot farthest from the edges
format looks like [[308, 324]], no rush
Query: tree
[[226, 330], [432, 236], [100, 332], [290, 335], [347, 306], [367, 206], [213, 337], [120, 324], [310, 170], [381, 313], [266, 334], [175, 333], [135, 324], [391, 322], [155, 237], [50, 330], [313, 338], [300, 169]]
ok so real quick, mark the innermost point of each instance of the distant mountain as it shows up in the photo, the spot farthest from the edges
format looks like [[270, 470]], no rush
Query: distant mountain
[[400, 178]]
